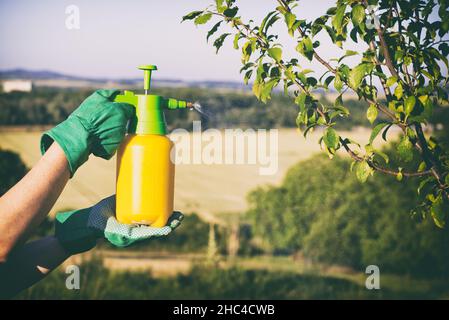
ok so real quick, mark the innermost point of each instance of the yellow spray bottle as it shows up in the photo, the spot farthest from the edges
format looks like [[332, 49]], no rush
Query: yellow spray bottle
[[145, 171]]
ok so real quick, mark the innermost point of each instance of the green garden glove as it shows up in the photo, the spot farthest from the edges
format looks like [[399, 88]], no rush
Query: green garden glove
[[78, 230], [97, 126]]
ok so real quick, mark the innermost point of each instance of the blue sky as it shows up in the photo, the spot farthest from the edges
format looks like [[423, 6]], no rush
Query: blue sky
[[116, 36]]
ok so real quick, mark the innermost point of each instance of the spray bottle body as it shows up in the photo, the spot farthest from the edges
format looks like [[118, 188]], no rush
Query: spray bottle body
[[145, 180], [145, 170]]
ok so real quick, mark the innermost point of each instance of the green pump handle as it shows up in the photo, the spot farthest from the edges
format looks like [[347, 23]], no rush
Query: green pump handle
[[149, 117], [147, 69]]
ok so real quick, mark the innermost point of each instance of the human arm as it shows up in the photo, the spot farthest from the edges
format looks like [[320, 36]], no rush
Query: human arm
[[27, 204], [29, 264], [96, 127], [75, 232]]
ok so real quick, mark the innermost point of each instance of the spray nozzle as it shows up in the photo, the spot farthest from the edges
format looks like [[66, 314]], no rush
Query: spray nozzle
[[178, 104]]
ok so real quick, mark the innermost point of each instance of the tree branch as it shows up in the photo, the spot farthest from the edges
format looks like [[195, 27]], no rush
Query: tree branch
[[265, 44], [376, 167], [382, 108], [384, 47], [421, 144], [429, 159]]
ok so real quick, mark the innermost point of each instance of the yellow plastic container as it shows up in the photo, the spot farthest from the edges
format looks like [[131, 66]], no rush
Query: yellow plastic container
[[145, 180], [145, 171]]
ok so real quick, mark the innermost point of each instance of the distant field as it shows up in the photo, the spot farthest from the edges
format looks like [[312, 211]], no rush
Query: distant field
[[206, 189]]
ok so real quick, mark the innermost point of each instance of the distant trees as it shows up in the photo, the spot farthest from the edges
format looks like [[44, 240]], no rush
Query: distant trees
[[40, 107], [322, 211], [228, 109]]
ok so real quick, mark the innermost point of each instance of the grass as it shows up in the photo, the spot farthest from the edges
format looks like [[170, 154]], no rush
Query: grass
[[161, 266], [278, 280]]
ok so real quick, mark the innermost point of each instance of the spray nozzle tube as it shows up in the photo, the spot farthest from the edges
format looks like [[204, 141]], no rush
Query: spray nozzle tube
[[178, 104], [170, 103]]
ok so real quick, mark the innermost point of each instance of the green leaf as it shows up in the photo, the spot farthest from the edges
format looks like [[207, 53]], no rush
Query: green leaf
[[331, 138], [236, 41], [269, 20], [339, 101], [213, 30], [438, 213], [265, 20], [218, 43], [275, 53], [353, 35], [383, 155], [399, 176], [358, 14], [363, 171], [302, 77], [407, 60], [299, 119], [337, 21], [409, 104], [391, 81], [350, 141], [202, 19], [328, 81], [305, 47], [231, 12], [290, 19], [247, 50], [266, 88], [220, 6], [423, 183], [353, 163], [384, 134], [247, 76], [422, 166], [338, 84], [308, 45], [356, 75], [192, 15], [399, 91], [300, 100], [405, 149], [348, 53], [290, 74], [371, 113], [376, 131], [257, 88]]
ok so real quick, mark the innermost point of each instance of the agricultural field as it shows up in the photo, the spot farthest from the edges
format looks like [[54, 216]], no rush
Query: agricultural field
[[208, 189]]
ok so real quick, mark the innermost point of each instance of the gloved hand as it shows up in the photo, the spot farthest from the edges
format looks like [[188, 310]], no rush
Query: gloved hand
[[78, 230], [97, 126]]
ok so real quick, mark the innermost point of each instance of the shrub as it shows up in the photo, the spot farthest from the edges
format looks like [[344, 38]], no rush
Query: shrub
[[323, 211]]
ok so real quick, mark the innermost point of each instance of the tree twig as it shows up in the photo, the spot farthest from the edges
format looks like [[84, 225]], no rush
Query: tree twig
[[376, 167]]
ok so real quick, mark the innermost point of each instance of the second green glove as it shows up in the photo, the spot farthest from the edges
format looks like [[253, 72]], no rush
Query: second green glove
[[78, 230]]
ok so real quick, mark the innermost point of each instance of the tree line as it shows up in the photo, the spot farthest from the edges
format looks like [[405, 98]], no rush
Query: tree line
[[225, 109]]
